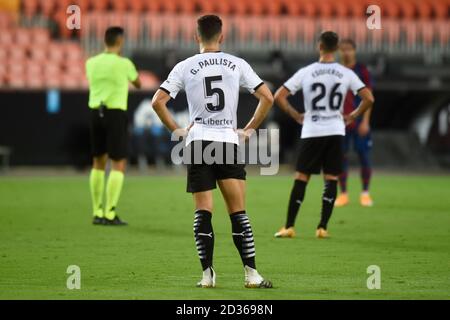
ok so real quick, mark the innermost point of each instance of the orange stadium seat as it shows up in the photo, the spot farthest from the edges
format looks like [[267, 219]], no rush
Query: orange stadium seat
[[22, 37], [255, 7], [153, 6], [47, 7], [325, 8], [17, 53], [424, 9], [188, 6], [273, 7], [3, 55], [411, 32], [294, 7], [408, 9], [39, 53], [440, 9], [30, 7], [120, 6], [40, 36], [206, 6], [6, 38], [443, 30], [99, 5], [137, 6], [392, 29]]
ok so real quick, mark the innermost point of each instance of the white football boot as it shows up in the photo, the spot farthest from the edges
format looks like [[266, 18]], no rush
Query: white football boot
[[254, 280], [208, 279]]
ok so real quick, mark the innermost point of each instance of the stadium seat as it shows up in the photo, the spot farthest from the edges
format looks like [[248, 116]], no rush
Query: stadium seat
[[40, 36], [392, 29], [424, 9], [17, 53], [29, 7], [39, 53], [34, 81], [120, 6], [153, 6], [6, 38], [188, 6], [3, 55], [273, 7], [136, 6], [47, 7], [100, 5], [207, 6], [325, 9], [294, 7], [56, 53], [22, 37]]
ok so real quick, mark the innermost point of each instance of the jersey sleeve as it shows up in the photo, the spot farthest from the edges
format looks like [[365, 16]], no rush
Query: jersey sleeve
[[174, 82], [355, 83], [248, 78], [294, 83], [132, 73], [88, 69]]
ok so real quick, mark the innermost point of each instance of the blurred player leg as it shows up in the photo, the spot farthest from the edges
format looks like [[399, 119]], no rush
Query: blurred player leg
[[363, 145], [233, 191], [204, 236], [343, 198], [328, 198], [113, 190], [295, 201], [97, 184]]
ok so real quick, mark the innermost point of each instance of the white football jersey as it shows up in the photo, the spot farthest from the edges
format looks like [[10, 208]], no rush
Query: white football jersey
[[212, 81], [324, 87]]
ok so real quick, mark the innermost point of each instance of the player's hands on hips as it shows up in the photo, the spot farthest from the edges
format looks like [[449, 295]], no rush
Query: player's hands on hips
[[300, 118], [244, 134], [348, 119], [183, 132], [363, 129]]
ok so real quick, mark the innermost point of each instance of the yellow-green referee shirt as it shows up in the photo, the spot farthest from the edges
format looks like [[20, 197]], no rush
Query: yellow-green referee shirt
[[108, 75]]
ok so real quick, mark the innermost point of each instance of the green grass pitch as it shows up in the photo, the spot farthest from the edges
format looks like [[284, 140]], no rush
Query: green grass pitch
[[45, 226]]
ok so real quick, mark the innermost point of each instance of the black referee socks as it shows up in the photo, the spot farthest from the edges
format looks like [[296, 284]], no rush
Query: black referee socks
[[296, 199], [204, 237], [328, 198], [243, 238]]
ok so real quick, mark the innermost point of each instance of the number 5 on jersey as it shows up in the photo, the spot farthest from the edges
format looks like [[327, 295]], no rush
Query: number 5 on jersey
[[210, 92]]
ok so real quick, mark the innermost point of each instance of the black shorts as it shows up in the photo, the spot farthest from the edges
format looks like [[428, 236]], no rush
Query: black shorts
[[321, 153], [203, 172], [109, 133]]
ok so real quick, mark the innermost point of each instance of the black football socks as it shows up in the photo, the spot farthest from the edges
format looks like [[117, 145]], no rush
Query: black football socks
[[204, 237], [328, 198], [296, 199], [243, 238]]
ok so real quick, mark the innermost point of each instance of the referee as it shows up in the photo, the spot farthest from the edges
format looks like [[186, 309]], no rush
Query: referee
[[108, 74]]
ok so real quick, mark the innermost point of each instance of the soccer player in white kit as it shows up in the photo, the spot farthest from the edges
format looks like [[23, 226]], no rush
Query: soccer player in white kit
[[324, 84], [212, 80]]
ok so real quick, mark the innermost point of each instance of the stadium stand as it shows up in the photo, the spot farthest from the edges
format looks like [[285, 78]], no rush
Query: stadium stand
[[408, 27]]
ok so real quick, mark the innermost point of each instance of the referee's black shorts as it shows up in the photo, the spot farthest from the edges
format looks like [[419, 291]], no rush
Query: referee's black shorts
[[202, 174], [321, 154], [109, 133]]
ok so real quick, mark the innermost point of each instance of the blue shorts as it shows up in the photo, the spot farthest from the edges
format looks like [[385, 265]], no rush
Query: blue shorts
[[360, 144]]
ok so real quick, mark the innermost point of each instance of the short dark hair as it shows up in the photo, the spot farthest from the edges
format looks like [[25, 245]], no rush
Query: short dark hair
[[112, 34], [329, 40], [209, 26], [349, 41]]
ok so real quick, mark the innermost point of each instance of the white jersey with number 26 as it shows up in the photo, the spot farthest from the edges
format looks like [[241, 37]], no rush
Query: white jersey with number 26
[[324, 87], [212, 81]]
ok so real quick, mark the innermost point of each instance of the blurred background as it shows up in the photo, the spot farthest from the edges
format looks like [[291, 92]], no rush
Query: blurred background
[[43, 89]]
